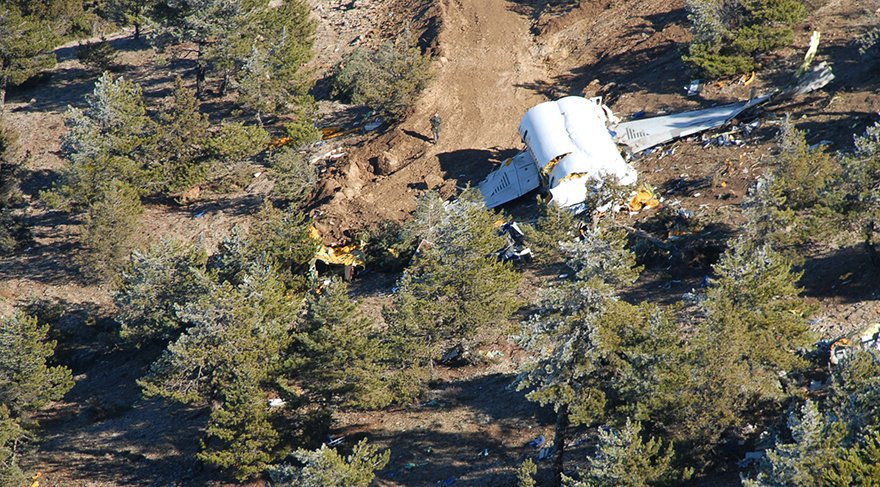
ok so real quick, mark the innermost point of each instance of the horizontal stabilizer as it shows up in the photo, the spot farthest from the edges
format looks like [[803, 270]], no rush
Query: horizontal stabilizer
[[639, 135]]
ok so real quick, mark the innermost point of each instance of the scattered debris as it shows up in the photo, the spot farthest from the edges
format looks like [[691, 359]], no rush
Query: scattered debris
[[867, 338], [276, 402], [335, 441], [537, 442], [545, 453], [694, 88], [347, 256], [515, 250], [646, 197]]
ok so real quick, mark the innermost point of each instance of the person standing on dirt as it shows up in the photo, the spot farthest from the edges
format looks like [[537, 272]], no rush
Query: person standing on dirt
[[436, 125]]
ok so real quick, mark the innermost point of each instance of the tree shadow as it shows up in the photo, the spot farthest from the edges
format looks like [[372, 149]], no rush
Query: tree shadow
[[494, 424], [470, 166], [104, 430], [48, 263], [847, 274]]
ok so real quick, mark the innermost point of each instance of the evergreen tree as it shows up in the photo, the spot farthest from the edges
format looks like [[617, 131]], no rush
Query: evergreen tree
[[387, 80], [226, 33], [27, 46], [128, 12], [272, 78], [755, 299], [729, 35], [803, 462], [325, 467], [27, 382], [110, 221], [857, 466], [624, 459], [802, 172], [105, 142], [582, 361], [525, 474], [12, 436], [284, 239], [233, 345], [336, 354], [179, 158], [154, 284], [836, 444], [295, 177], [456, 287], [854, 198], [240, 437]]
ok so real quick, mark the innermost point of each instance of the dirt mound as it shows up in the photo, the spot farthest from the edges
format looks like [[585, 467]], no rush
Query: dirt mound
[[486, 66]]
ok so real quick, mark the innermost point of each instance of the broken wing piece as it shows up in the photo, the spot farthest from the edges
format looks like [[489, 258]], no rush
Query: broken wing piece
[[642, 134], [514, 178]]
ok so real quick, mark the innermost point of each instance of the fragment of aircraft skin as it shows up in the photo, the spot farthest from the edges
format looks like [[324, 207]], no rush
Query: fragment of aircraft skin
[[522, 173]]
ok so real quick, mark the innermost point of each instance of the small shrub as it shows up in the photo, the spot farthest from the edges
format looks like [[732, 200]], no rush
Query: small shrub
[[386, 249], [730, 35], [99, 56], [303, 132], [236, 142], [387, 80], [295, 178], [325, 467]]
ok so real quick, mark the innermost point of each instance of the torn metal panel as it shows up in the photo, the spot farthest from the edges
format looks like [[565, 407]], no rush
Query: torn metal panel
[[515, 177], [639, 135]]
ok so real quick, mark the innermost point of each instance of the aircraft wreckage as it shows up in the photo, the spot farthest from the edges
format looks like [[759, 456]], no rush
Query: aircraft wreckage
[[572, 144]]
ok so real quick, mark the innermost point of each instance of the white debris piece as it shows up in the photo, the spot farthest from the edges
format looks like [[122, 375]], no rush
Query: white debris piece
[[567, 145], [645, 133]]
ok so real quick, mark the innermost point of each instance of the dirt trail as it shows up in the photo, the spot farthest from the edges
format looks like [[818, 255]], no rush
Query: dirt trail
[[488, 58]]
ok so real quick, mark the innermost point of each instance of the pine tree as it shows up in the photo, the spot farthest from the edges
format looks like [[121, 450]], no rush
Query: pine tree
[[574, 335], [525, 474], [729, 35], [336, 354], [456, 287], [110, 222], [325, 467], [239, 436], [624, 459], [295, 177], [853, 197], [802, 172], [233, 344], [272, 77], [105, 142], [815, 446], [204, 23], [857, 466], [12, 435], [154, 284], [387, 80], [179, 158], [755, 299], [27, 46], [27, 382], [284, 239]]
